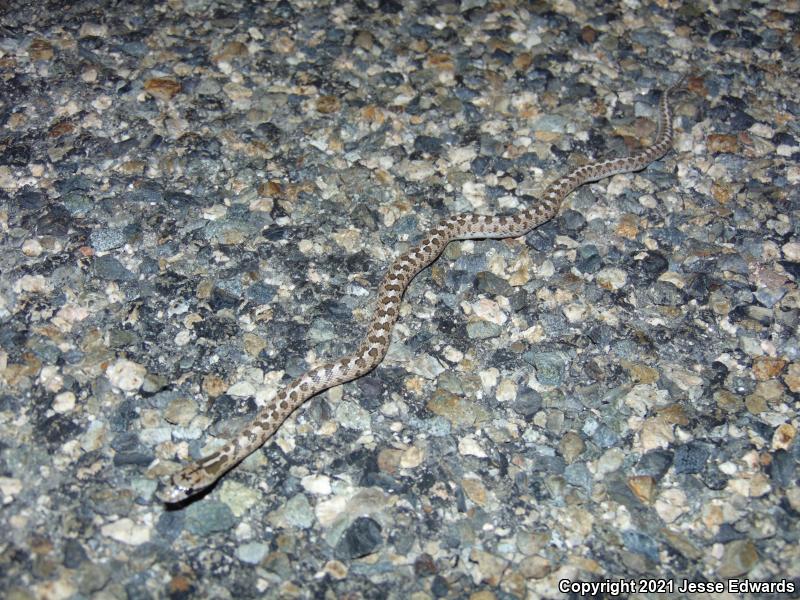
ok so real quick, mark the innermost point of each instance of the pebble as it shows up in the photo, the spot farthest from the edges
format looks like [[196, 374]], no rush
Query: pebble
[[210, 516], [238, 498], [690, 458], [127, 531], [32, 248], [738, 558], [571, 446], [363, 537], [611, 278], [252, 553], [297, 512], [64, 402], [671, 504], [317, 484], [643, 487], [126, 374], [490, 568], [550, 367], [181, 411], [467, 446]]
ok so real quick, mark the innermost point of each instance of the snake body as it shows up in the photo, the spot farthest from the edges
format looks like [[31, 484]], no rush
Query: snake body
[[199, 475]]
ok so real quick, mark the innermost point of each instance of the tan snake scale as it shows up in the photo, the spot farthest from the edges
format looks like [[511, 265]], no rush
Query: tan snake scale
[[198, 475]]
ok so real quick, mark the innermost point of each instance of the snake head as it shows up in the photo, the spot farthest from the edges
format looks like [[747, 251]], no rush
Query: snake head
[[193, 479], [179, 487]]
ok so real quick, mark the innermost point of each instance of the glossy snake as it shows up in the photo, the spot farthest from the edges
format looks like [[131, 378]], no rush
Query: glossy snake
[[198, 475]]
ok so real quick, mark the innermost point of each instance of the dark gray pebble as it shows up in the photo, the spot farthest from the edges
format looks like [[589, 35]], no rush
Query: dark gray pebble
[[361, 538]]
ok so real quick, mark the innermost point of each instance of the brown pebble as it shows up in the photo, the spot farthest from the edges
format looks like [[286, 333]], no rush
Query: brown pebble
[[523, 60], [59, 129], [588, 35], [327, 104], [231, 50], [365, 40], [718, 143], [40, 49], [643, 487], [766, 368], [270, 188], [162, 88]]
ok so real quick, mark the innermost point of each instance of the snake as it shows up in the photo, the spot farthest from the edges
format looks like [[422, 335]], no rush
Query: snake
[[203, 473]]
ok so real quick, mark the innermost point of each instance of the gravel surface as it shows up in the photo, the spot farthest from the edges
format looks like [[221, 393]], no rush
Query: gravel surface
[[198, 199]]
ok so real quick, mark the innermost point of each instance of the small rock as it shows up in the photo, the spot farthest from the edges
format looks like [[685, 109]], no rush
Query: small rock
[[671, 504], [610, 461], [474, 490], [766, 368], [412, 457], [361, 538], [718, 143], [31, 248], [126, 531], [40, 49], [656, 433], [550, 367], [506, 391], [738, 558], [643, 487], [611, 278], [297, 512], [791, 250], [239, 498], [214, 386], [89, 29], [328, 104], [336, 569], [424, 565], [783, 437], [252, 553], [482, 330], [9, 488], [181, 411], [457, 410], [467, 446], [655, 464], [490, 567], [317, 484], [162, 88], [690, 458], [35, 284], [203, 518], [571, 446], [535, 567], [792, 377], [103, 240], [64, 402], [108, 267], [242, 389], [126, 374]]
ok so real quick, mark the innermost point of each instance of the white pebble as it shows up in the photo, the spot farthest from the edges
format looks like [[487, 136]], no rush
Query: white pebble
[[64, 402], [467, 446], [506, 391], [126, 374], [243, 389], [126, 531], [611, 278], [791, 251], [317, 484], [31, 248]]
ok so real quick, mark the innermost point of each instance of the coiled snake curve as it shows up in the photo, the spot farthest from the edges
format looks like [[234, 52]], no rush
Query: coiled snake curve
[[200, 474]]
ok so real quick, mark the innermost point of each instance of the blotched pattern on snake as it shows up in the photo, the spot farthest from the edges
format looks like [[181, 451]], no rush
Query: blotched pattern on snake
[[200, 474]]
